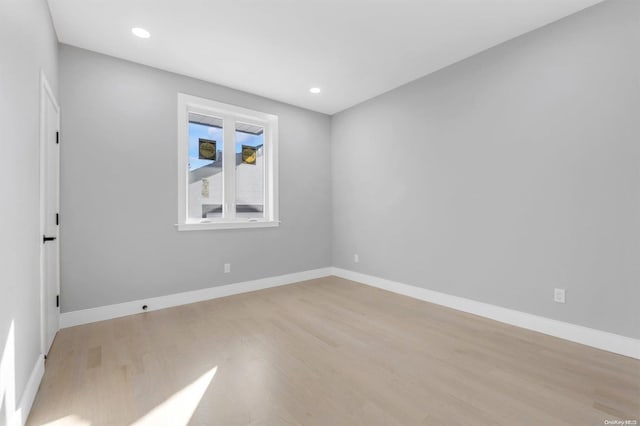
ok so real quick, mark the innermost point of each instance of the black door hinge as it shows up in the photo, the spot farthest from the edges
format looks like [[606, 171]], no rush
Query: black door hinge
[[57, 137], [58, 301], [57, 218]]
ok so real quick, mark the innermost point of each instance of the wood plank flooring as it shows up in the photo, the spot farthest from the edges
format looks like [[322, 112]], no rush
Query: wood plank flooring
[[327, 352]]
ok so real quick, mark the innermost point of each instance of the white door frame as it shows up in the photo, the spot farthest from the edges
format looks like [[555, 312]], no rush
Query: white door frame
[[45, 94]]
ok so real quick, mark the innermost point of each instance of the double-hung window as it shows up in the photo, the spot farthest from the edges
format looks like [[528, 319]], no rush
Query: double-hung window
[[227, 166]]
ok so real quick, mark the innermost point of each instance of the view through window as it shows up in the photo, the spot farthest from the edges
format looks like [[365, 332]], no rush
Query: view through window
[[228, 155]]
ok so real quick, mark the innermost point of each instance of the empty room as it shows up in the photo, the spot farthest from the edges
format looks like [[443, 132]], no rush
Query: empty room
[[278, 212]]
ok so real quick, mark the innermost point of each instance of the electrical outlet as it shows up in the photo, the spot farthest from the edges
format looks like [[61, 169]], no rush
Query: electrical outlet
[[558, 295], [227, 268], [356, 258]]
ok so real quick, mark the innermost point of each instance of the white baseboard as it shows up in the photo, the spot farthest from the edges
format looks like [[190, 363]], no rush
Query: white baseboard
[[29, 395], [101, 313], [576, 333]]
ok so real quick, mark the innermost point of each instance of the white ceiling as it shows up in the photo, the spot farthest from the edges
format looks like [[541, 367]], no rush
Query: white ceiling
[[352, 49]]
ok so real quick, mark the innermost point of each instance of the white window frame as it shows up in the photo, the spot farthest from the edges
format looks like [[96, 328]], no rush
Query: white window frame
[[230, 114]]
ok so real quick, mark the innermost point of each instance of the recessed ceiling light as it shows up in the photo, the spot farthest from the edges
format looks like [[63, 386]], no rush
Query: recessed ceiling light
[[315, 90], [140, 32]]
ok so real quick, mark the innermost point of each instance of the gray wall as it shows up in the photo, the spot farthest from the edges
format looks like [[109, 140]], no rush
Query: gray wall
[[119, 189], [506, 175], [27, 45]]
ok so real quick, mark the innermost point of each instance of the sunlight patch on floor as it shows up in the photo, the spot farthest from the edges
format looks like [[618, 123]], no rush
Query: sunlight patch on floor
[[71, 420], [178, 408]]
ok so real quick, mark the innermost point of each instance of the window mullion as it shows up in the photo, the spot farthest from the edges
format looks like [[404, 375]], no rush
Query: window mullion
[[229, 168]]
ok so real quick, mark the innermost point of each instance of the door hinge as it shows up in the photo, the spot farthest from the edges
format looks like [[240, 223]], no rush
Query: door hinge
[[57, 301], [57, 137], [57, 218]]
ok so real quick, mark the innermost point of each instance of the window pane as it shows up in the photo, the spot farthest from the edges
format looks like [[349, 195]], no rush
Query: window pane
[[205, 167], [249, 171]]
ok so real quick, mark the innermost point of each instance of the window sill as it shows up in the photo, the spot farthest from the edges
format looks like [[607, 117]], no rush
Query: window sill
[[210, 226]]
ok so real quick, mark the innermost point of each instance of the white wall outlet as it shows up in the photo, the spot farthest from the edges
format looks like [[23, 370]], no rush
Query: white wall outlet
[[356, 258], [558, 295], [227, 268]]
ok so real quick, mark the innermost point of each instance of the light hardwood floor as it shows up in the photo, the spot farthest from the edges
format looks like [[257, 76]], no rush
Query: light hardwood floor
[[327, 352]]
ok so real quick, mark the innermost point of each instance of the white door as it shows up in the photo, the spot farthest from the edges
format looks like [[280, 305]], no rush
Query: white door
[[49, 217]]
